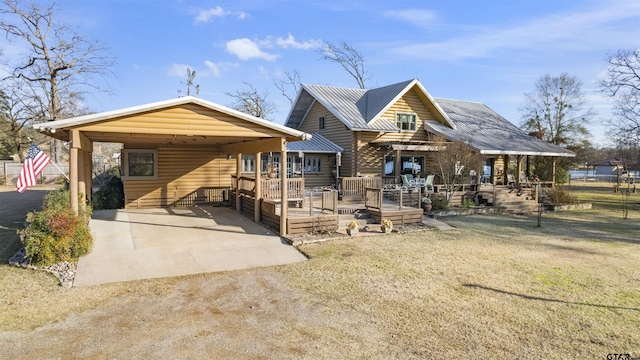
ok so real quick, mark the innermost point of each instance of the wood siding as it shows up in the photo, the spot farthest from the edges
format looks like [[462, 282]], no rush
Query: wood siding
[[181, 172], [324, 177], [409, 103], [335, 131], [188, 119]]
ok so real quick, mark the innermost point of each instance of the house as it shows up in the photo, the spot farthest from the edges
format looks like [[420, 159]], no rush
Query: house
[[609, 167], [179, 152], [389, 131]]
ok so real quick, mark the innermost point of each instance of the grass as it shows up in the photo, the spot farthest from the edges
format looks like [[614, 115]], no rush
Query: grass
[[497, 286]]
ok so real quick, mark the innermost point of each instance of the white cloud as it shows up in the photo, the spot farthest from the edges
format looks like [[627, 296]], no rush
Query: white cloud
[[179, 70], [206, 16], [582, 30], [290, 42], [246, 49], [216, 69], [419, 17], [213, 68]]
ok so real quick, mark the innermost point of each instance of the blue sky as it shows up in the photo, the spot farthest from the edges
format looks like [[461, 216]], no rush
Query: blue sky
[[487, 51]]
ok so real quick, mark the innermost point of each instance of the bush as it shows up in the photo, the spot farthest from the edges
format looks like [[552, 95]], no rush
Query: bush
[[439, 202], [562, 175], [55, 233], [560, 195], [111, 192]]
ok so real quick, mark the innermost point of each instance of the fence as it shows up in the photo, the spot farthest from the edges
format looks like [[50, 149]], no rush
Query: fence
[[10, 171], [355, 186]]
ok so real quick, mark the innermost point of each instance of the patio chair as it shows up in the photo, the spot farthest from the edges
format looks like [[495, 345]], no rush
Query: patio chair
[[407, 180], [428, 183]]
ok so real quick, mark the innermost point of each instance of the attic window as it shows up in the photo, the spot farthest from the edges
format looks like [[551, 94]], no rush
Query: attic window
[[321, 123], [406, 121]]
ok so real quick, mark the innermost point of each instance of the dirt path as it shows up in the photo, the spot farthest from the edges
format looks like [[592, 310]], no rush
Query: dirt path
[[14, 207]]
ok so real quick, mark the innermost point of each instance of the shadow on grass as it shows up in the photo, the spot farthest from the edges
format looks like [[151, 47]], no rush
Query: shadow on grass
[[529, 297]]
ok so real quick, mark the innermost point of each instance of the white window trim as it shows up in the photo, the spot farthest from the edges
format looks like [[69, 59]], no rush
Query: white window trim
[[308, 168], [125, 164], [415, 122]]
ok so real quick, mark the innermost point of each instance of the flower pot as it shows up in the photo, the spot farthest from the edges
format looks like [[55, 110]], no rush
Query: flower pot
[[426, 207], [352, 232], [386, 230]]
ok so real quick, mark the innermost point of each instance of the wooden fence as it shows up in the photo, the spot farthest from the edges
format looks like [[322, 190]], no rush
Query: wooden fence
[[9, 172]]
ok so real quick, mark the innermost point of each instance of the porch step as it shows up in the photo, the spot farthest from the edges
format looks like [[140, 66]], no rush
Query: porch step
[[363, 219]]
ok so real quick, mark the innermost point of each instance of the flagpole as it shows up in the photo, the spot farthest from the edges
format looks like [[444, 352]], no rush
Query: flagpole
[[62, 172]]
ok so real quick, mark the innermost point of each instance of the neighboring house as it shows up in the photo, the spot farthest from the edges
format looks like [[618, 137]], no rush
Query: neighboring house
[[609, 167], [389, 130]]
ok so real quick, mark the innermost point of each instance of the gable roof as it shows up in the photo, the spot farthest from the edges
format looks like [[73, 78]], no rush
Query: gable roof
[[358, 109], [488, 132], [108, 115]]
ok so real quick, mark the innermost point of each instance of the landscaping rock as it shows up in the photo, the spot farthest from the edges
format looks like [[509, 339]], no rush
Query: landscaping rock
[[65, 271]]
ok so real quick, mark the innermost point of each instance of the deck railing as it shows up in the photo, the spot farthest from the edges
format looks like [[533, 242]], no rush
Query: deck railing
[[373, 198], [355, 186], [271, 188]]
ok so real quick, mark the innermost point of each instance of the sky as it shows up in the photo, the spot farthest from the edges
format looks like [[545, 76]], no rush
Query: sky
[[490, 51]]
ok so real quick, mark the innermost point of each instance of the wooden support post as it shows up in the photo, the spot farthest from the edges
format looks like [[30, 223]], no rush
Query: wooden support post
[[398, 165], [507, 162], [238, 181], [284, 196], [518, 169], [73, 178], [553, 171], [82, 185], [310, 202], [257, 213], [89, 176], [401, 200]]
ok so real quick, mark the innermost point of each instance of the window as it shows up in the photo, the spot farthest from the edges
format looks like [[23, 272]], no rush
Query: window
[[312, 164], [248, 163], [321, 123], [406, 121], [140, 164], [389, 165]]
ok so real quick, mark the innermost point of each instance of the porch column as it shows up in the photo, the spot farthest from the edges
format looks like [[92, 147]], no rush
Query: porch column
[[553, 171], [284, 192], [238, 182], [397, 165], [505, 174], [518, 168], [258, 190], [89, 175]]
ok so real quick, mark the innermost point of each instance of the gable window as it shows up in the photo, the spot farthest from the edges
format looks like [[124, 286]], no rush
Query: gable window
[[140, 164], [321, 123], [312, 164], [406, 121]]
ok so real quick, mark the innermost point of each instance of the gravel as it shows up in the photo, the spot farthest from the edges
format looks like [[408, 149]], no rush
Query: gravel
[[65, 271]]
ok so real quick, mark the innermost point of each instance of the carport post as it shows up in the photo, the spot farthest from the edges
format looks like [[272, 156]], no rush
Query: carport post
[[258, 188], [284, 193]]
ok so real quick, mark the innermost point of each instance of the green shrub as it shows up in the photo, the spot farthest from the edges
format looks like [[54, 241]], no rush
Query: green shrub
[[562, 176], [55, 233], [111, 192], [439, 202], [560, 195]]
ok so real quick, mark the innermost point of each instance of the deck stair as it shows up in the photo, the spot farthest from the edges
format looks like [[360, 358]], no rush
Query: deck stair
[[511, 200], [360, 217]]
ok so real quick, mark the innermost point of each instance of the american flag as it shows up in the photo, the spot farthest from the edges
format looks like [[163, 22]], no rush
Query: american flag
[[33, 165]]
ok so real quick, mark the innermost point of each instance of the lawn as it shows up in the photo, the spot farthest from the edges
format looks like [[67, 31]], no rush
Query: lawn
[[498, 286]]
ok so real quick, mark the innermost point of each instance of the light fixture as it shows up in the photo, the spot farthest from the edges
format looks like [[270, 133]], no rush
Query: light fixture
[[229, 157]]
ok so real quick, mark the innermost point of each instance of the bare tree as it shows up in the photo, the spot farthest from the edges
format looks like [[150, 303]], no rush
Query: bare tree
[[14, 120], [59, 63], [622, 84], [252, 102], [556, 111], [457, 164], [293, 81], [349, 58]]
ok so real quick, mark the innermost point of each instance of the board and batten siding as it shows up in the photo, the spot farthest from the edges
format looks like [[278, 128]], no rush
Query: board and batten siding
[[335, 131], [181, 172]]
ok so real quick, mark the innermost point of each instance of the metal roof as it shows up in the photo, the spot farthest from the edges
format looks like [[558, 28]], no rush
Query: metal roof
[[488, 132], [317, 144], [88, 119]]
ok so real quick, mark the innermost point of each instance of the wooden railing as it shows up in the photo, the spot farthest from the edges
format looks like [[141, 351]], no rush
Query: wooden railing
[[330, 200], [355, 186], [271, 188], [373, 198]]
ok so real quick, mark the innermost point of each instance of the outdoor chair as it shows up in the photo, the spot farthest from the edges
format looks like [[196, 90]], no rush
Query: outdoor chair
[[407, 180], [428, 183]]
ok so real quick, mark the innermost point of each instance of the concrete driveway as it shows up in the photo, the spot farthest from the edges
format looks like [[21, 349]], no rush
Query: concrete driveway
[[153, 243]]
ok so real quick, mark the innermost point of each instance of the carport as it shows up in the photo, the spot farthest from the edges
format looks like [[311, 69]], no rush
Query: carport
[[177, 153], [133, 244]]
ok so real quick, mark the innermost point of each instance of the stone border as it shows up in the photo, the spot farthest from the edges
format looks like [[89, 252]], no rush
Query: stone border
[[568, 207], [64, 271], [465, 211]]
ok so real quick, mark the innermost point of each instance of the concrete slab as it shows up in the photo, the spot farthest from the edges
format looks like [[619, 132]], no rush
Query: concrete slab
[[142, 244], [436, 223]]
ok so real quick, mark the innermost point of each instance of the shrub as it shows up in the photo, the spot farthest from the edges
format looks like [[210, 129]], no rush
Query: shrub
[[562, 175], [560, 195], [111, 192], [55, 233], [439, 202]]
